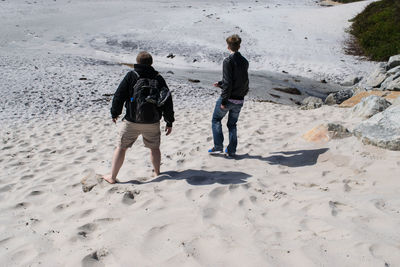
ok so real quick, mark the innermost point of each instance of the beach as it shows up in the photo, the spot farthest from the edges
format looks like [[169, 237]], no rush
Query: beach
[[283, 201]]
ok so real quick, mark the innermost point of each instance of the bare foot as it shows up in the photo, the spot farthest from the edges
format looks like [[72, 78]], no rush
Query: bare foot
[[109, 179], [154, 174]]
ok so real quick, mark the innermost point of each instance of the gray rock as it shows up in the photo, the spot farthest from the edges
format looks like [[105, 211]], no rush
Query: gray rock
[[377, 77], [369, 106], [394, 61], [339, 97], [382, 130], [394, 71], [311, 102], [351, 81], [396, 102], [338, 131], [392, 83]]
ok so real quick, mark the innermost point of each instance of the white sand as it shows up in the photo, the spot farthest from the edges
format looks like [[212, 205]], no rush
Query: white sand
[[282, 202]]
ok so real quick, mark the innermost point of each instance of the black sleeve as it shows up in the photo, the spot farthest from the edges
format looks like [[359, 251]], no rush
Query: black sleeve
[[121, 95], [168, 107], [227, 81]]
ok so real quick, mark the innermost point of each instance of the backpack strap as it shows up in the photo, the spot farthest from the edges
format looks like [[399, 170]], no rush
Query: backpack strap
[[136, 74]]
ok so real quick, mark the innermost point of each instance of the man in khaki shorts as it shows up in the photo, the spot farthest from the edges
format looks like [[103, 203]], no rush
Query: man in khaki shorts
[[147, 98]]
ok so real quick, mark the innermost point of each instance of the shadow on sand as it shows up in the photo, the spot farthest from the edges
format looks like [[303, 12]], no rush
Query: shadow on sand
[[298, 158], [199, 177]]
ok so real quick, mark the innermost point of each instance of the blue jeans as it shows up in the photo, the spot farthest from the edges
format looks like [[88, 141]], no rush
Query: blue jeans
[[218, 115]]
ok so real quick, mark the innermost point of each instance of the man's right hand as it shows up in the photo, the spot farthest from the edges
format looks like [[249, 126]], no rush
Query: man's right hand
[[216, 84], [115, 119]]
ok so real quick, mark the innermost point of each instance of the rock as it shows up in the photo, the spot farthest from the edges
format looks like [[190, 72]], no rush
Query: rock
[[326, 132], [392, 83], [170, 55], [396, 102], [382, 129], [193, 80], [354, 100], [351, 81], [377, 77], [394, 61], [311, 102], [394, 71], [288, 90], [339, 97], [370, 105], [323, 81]]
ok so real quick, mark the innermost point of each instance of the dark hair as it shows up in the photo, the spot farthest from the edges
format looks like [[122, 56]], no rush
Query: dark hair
[[144, 58], [233, 42]]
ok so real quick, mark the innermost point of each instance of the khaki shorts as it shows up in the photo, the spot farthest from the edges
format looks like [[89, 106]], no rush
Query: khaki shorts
[[130, 131]]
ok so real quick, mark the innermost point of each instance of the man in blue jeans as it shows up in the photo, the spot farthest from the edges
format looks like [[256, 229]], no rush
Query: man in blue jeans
[[234, 85]]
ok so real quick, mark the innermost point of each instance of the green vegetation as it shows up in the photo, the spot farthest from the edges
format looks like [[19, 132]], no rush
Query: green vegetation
[[377, 31]]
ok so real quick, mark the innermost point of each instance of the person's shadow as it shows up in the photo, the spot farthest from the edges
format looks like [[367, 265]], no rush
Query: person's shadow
[[199, 177], [298, 158]]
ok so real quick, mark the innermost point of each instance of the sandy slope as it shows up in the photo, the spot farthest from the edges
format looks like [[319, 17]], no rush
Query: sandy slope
[[283, 202], [299, 36]]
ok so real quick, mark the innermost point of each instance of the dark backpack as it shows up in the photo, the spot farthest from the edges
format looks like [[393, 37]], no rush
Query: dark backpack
[[146, 98]]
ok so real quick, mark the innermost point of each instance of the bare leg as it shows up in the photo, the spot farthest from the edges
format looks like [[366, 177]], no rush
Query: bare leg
[[155, 155], [117, 161]]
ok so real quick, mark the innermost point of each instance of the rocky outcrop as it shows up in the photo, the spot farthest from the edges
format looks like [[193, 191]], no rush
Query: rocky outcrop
[[382, 130], [385, 78], [394, 61], [326, 132], [311, 102], [377, 77], [369, 106], [339, 97], [351, 102]]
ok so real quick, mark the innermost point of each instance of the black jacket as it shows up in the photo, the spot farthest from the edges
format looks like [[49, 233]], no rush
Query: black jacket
[[235, 78], [124, 92]]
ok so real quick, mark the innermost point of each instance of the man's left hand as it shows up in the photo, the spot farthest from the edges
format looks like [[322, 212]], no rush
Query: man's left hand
[[168, 130], [223, 107]]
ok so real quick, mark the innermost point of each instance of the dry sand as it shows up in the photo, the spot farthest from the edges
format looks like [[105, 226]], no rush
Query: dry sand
[[282, 202]]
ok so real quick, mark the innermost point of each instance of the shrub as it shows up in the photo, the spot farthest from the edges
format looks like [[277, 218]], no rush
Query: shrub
[[377, 30]]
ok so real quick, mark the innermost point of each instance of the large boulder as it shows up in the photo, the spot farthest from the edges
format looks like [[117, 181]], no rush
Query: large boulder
[[354, 100], [377, 77], [382, 130], [311, 102], [326, 132], [369, 106], [339, 97], [394, 61]]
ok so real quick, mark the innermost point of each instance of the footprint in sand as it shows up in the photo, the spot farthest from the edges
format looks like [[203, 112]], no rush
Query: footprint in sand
[[129, 197], [95, 258], [86, 229], [22, 205], [27, 177], [35, 193], [218, 192], [6, 188], [209, 213], [337, 207]]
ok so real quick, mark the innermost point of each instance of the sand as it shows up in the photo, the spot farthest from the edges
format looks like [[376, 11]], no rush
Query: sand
[[282, 202]]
